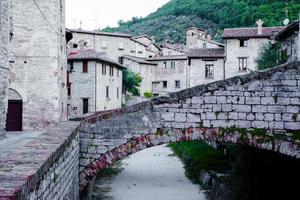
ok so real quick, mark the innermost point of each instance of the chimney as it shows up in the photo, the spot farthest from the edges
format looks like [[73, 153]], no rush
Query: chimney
[[208, 38], [259, 24]]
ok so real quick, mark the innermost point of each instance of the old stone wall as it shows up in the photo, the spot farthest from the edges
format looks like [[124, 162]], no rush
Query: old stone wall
[[260, 109], [4, 40], [44, 168], [38, 61]]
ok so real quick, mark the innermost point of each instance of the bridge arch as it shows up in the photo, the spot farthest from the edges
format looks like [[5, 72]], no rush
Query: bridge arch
[[259, 109]]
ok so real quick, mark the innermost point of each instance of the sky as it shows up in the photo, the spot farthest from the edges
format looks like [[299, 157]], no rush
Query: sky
[[95, 14]]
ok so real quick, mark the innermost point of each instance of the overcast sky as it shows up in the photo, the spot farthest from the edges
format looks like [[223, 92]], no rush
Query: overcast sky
[[101, 13]]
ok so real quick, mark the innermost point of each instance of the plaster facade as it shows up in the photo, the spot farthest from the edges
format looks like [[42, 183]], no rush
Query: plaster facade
[[198, 74], [145, 69], [114, 45], [170, 75], [38, 61]]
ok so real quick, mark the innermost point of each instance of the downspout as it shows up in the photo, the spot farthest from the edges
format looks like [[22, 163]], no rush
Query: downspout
[[224, 62], [96, 74]]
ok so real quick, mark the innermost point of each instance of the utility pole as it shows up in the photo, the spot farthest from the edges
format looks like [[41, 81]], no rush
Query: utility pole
[[4, 70]]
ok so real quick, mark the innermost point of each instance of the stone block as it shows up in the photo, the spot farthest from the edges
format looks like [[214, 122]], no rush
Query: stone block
[[193, 118], [276, 125], [276, 109], [292, 109], [259, 124], [197, 100], [242, 108], [259, 109], [267, 101], [253, 100], [268, 117], [180, 117], [226, 107], [221, 100], [295, 101], [292, 125], [210, 99], [168, 116], [250, 117]]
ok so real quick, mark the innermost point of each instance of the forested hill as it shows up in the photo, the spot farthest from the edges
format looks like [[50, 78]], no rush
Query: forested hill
[[172, 19]]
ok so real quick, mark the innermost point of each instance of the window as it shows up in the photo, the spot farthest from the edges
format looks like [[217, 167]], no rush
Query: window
[[173, 65], [85, 67], [140, 50], [165, 65], [243, 64], [121, 46], [103, 69], [117, 93], [243, 43], [133, 49], [107, 91], [204, 45], [177, 84], [165, 84], [111, 70], [104, 44], [85, 107], [209, 69], [118, 73]]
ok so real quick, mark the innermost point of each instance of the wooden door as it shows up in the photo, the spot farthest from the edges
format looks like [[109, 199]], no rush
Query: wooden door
[[14, 115]]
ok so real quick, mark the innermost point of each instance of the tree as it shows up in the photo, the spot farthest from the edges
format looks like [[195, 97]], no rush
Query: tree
[[131, 82], [270, 56]]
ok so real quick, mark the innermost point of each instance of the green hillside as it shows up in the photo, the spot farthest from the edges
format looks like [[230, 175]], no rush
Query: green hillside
[[172, 19]]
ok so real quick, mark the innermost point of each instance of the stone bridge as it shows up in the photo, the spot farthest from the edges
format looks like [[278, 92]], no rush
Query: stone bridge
[[260, 109]]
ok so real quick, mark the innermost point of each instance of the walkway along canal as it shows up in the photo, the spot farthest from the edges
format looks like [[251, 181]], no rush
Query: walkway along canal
[[152, 174]]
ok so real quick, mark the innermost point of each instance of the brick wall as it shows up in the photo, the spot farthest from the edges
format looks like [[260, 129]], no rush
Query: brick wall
[[256, 109], [4, 40]]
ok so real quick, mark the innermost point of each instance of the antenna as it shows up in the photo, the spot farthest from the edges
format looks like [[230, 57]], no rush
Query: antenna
[[286, 21]]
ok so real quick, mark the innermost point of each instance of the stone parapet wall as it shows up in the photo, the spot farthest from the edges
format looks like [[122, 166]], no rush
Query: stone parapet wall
[[44, 168], [260, 109], [4, 40]]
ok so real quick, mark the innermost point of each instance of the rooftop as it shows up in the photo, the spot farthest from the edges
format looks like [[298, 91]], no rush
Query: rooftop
[[206, 53], [138, 60], [91, 54], [171, 57], [289, 30], [101, 33], [267, 32]]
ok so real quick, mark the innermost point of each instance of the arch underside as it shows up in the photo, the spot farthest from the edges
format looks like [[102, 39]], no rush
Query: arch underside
[[269, 142]]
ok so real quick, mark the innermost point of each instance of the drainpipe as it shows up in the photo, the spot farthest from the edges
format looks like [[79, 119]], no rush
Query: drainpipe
[[224, 62], [96, 74]]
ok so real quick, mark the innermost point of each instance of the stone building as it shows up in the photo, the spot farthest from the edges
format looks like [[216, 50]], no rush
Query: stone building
[[290, 38], [4, 70], [143, 67], [205, 65], [170, 75], [242, 47], [199, 38], [37, 89], [114, 45], [94, 83]]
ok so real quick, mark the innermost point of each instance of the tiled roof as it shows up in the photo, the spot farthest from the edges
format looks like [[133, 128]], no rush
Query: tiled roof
[[91, 54], [289, 30], [138, 60], [176, 47], [251, 32], [171, 57], [101, 33], [206, 53]]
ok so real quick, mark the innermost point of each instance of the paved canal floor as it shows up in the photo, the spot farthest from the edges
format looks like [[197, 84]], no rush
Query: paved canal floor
[[152, 174]]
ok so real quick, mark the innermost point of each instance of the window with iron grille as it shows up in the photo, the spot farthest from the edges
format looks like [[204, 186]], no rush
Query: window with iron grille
[[243, 62], [209, 69]]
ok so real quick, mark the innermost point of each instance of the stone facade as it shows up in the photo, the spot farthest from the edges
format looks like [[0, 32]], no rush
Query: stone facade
[[45, 168], [99, 86], [4, 71], [38, 61], [259, 109], [290, 38]]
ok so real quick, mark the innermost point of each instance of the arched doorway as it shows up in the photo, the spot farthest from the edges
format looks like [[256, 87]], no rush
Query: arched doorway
[[14, 112]]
